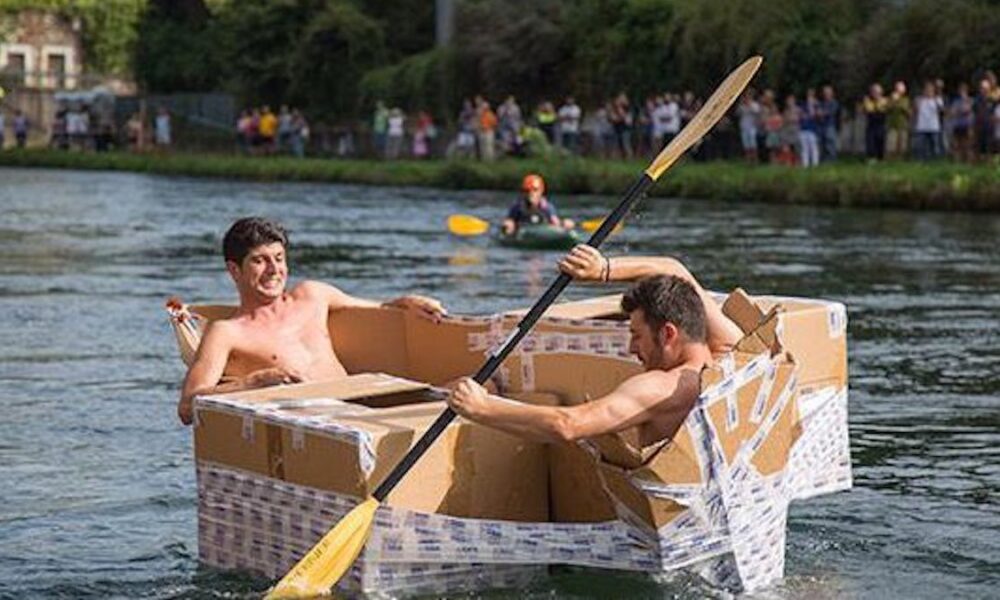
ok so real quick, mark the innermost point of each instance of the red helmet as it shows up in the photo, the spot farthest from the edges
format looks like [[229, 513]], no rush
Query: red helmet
[[532, 182]]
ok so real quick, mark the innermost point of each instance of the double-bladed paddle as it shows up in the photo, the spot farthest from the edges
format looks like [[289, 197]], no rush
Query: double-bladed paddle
[[320, 569]]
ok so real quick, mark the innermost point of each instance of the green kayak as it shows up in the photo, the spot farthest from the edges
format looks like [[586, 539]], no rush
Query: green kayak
[[541, 237]]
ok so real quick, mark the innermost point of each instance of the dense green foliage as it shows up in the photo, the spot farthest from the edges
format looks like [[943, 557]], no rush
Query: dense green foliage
[[935, 186], [335, 57]]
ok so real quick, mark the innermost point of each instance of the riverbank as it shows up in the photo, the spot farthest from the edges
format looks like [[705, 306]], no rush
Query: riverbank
[[918, 186]]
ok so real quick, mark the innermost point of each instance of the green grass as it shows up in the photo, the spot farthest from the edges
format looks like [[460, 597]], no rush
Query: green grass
[[935, 186]]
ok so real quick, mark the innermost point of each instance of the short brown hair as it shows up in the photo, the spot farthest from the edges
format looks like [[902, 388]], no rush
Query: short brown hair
[[668, 299], [248, 233]]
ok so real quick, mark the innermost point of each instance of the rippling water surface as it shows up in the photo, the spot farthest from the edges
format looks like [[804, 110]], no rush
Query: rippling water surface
[[97, 489]]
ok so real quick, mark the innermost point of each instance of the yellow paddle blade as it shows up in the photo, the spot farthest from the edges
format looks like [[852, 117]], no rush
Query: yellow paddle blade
[[591, 225], [714, 108], [467, 225], [323, 566]]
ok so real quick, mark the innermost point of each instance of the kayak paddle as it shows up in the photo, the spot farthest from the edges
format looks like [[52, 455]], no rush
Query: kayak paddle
[[467, 225]]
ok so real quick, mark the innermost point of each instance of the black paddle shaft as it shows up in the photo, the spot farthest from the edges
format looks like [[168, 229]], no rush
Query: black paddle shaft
[[633, 194]]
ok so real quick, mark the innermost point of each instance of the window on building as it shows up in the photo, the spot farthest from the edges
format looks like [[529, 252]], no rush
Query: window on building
[[16, 64], [57, 70]]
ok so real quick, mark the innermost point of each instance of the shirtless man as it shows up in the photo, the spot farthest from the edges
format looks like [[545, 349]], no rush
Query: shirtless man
[[276, 335], [667, 323]]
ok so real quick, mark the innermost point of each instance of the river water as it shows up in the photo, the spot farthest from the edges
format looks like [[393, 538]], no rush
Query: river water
[[97, 489]]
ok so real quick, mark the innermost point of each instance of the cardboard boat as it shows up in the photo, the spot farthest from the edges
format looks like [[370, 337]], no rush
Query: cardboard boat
[[277, 467]]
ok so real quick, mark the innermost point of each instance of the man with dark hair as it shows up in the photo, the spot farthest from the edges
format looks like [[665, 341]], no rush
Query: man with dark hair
[[668, 334], [276, 335]]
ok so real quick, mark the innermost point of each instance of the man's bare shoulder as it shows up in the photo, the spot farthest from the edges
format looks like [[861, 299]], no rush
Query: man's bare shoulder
[[310, 288], [659, 383]]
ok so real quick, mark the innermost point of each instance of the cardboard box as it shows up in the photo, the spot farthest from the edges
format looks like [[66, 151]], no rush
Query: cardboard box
[[345, 436]]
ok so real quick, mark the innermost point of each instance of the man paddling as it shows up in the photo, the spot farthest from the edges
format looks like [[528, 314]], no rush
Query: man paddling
[[533, 208], [276, 335], [665, 297], [667, 323]]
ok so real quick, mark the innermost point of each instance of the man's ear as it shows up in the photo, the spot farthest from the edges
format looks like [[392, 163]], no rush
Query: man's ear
[[670, 332], [233, 268]]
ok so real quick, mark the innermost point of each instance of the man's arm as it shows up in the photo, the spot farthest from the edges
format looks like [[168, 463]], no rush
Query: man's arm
[[585, 263], [637, 401], [206, 370], [336, 299]]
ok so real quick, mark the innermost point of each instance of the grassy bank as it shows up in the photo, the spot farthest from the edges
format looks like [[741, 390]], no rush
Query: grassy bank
[[938, 186]]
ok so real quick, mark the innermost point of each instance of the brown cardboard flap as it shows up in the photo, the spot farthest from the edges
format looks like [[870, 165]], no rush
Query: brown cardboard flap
[[764, 337], [742, 310], [350, 388]]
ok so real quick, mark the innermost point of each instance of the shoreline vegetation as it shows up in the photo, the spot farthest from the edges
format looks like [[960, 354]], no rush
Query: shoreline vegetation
[[904, 185]]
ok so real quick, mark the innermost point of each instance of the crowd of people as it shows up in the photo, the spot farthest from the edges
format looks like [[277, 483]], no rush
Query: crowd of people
[[77, 126], [260, 132], [794, 130]]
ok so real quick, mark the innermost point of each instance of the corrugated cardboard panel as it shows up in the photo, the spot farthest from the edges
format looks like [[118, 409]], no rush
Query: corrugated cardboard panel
[[439, 352], [576, 493], [370, 339], [232, 440]]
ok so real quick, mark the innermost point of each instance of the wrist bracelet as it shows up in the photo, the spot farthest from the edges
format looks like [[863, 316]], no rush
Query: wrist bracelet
[[607, 269]]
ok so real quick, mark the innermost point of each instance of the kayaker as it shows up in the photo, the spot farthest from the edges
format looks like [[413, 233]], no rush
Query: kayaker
[[585, 263], [277, 335], [668, 334], [533, 208]]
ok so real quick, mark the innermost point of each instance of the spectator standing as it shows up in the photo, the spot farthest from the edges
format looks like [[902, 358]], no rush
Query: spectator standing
[[380, 128], [673, 124], [395, 133], [791, 128], [58, 139], [569, 125], [161, 128], [658, 119], [748, 113], [134, 132], [20, 128], [511, 121], [829, 123], [465, 142], [620, 115], [644, 123], [809, 130], [898, 116], [298, 133], [960, 114], [488, 122], [546, 117], [284, 141], [773, 123], [268, 129], [243, 134], [927, 122], [874, 107], [983, 108], [423, 135]]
